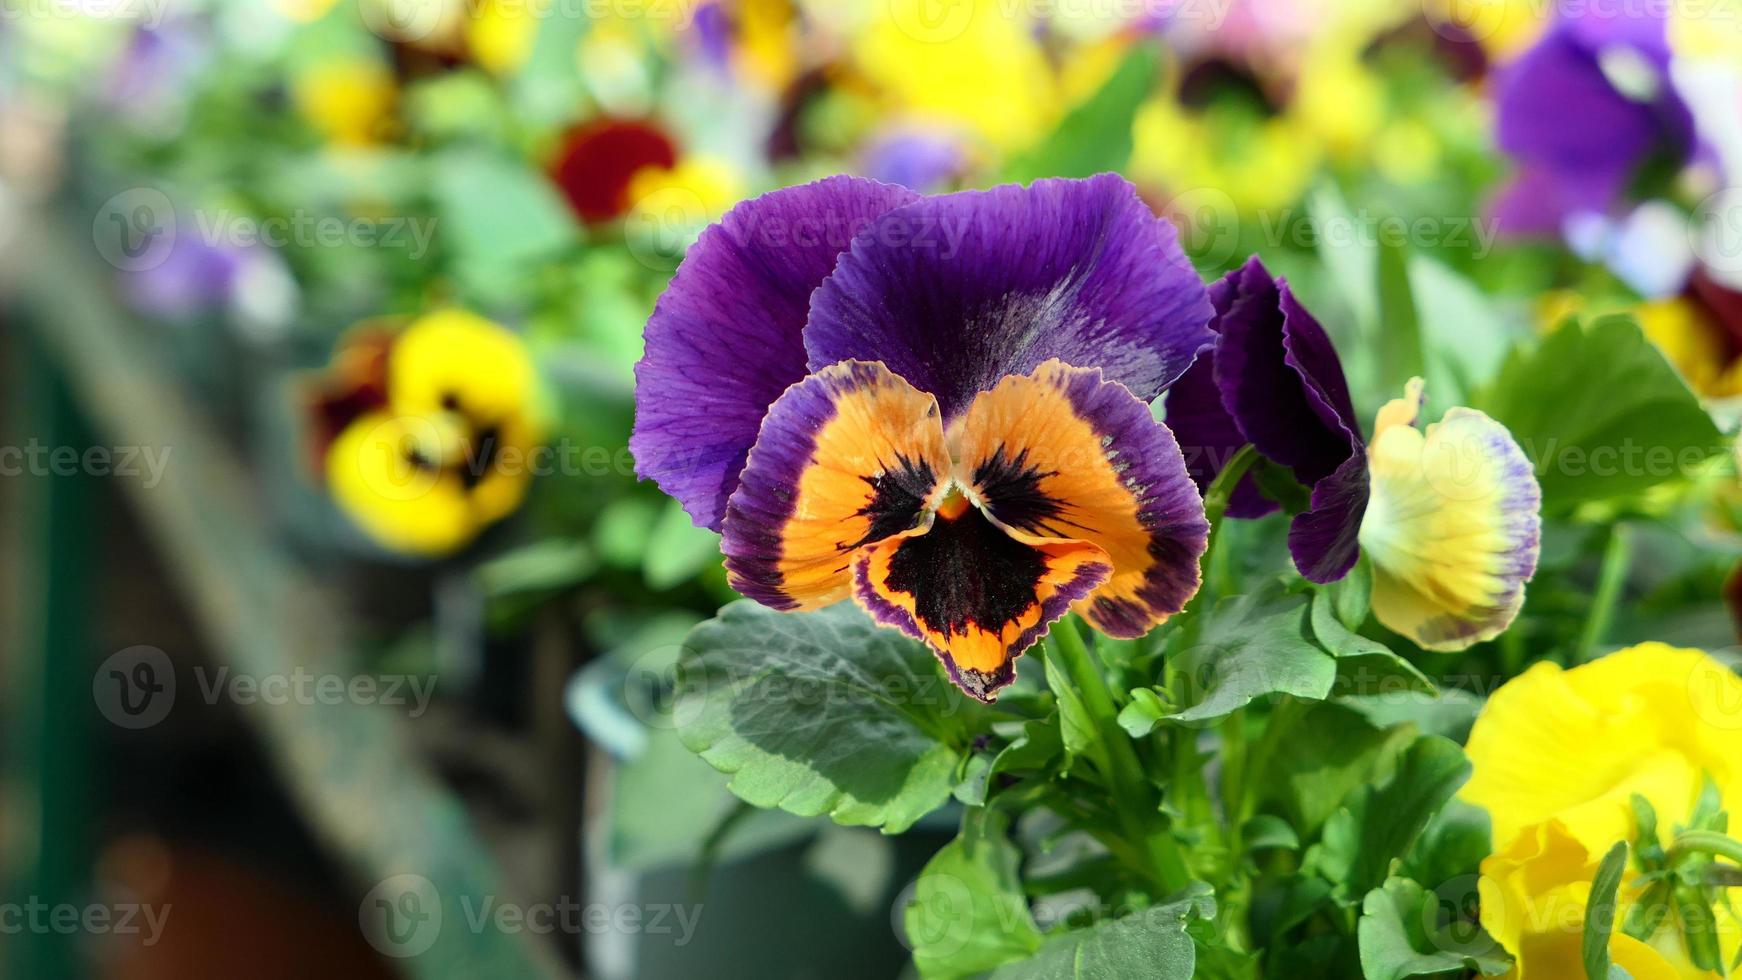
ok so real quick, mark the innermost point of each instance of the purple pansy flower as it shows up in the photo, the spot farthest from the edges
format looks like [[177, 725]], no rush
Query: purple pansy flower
[[1583, 111], [1274, 380], [935, 406], [1448, 515]]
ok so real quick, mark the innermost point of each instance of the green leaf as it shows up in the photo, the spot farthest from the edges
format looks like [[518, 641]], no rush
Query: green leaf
[[1369, 661], [1352, 596], [499, 217], [968, 913], [1379, 824], [1151, 943], [1397, 941], [1601, 413], [1451, 712], [1324, 757], [677, 550], [543, 566], [822, 712], [1600, 911], [1145, 711], [1268, 831], [665, 802], [1251, 646], [1076, 726], [1095, 137], [1401, 345], [1453, 844], [1283, 902], [1464, 332]]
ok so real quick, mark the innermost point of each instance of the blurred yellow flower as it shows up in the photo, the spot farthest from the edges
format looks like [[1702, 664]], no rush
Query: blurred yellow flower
[[1261, 165], [968, 64], [348, 100], [500, 33], [453, 448], [701, 187]]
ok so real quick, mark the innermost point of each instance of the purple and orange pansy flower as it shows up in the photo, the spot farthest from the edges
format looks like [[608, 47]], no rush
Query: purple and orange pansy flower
[[939, 408], [1448, 516], [935, 406]]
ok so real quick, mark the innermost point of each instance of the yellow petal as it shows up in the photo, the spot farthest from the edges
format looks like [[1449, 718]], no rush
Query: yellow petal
[[454, 360], [1452, 525], [401, 505]]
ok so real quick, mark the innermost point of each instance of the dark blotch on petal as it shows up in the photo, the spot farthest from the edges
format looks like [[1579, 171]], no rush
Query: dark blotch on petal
[[966, 572]]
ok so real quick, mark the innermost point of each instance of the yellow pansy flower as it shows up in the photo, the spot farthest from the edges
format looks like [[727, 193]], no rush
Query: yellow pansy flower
[[449, 447], [1575, 745], [965, 64], [1557, 757], [348, 100], [1534, 896]]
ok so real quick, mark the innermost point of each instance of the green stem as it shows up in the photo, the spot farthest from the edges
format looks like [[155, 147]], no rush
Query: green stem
[[1283, 717], [1221, 491], [1705, 842], [1617, 557], [1234, 775], [1136, 801]]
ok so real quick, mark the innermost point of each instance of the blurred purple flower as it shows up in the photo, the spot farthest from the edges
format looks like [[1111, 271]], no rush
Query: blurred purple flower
[[918, 160], [1583, 112]]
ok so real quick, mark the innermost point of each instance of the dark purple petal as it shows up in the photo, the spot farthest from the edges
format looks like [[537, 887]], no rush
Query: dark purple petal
[[1280, 378], [1208, 437], [1324, 541], [725, 338], [956, 292]]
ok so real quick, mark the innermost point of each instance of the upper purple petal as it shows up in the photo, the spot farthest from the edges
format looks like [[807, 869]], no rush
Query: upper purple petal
[[1280, 378], [725, 338], [956, 292]]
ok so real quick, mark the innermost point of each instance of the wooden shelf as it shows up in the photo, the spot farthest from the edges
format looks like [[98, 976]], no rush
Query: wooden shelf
[[365, 793]]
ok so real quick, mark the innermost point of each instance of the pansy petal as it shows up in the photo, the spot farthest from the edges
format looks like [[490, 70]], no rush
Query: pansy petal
[[1324, 541], [376, 478], [725, 338], [1064, 454], [848, 457], [956, 292], [975, 593], [1280, 378], [1452, 527], [1208, 437]]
